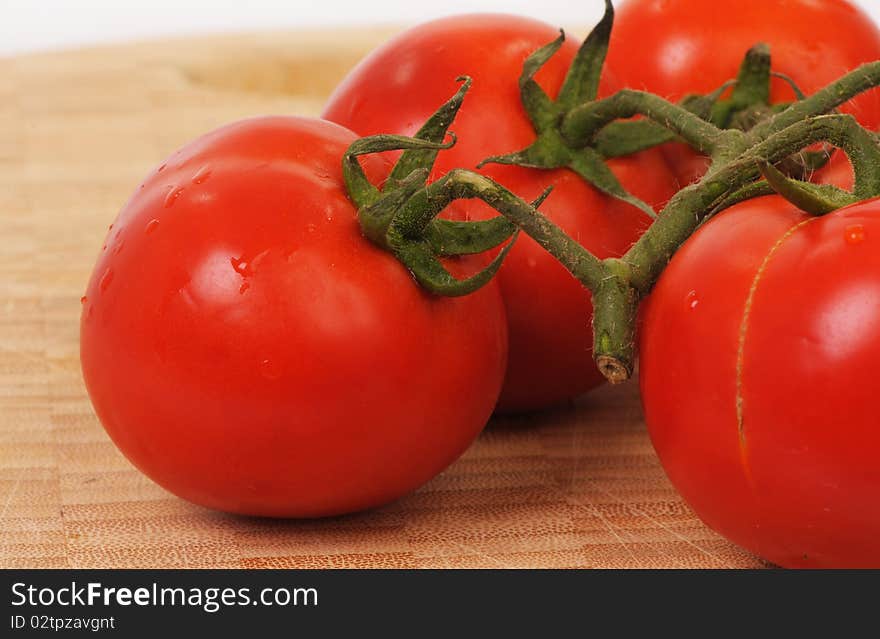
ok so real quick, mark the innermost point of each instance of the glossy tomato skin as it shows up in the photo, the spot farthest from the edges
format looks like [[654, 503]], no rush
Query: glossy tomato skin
[[400, 84], [676, 47], [250, 351], [756, 357]]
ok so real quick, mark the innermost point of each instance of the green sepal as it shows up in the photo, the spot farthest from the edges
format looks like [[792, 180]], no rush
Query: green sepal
[[702, 105], [541, 109], [590, 165], [798, 93], [815, 199], [582, 80], [360, 190], [548, 151], [625, 137], [429, 272], [450, 237], [434, 130], [375, 218]]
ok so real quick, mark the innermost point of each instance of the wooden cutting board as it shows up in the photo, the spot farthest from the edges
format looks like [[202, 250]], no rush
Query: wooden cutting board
[[576, 487]]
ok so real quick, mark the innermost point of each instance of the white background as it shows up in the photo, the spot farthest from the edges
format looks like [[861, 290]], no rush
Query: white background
[[29, 25]]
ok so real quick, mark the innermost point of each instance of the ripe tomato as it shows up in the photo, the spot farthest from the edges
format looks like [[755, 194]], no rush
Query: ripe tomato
[[676, 47], [399, 85], [250, 351], [758, 350]]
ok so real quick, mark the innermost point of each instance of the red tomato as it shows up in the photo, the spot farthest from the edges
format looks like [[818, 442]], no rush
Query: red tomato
[[250, 351], [399, 85], [676, 47], [758, 352], [838, 172]]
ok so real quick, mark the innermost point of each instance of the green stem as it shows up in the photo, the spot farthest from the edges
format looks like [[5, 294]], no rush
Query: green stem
[[689, 207], [407, 212], [581, 124], [464, 184], [862, 79], [646, 260]]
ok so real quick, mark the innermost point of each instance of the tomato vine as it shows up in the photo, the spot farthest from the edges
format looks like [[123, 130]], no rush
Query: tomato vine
[[577, 130]]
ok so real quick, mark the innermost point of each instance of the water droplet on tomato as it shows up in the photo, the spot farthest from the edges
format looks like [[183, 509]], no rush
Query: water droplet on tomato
[[106, 279], [118, 249], [311, 228], [854, 234], [83, 299], [161, 168], [172, 196], [244, 286], [692, 301], [269, 369], [240, 265], [202, 175], [151, 226], [110, 228]]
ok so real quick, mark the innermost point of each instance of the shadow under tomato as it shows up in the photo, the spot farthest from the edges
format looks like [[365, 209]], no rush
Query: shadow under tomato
[[578, 486]]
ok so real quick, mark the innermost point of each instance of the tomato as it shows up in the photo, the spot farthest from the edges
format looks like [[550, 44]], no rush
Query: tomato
[[401, 83], [758, 353], [250, 351], [676, 47]]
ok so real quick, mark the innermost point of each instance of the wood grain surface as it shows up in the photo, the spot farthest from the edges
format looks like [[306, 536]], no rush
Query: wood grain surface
[[576, 487]]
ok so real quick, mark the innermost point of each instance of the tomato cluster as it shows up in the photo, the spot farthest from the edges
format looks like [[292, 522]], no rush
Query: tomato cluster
[[550, 342], [248, 348]]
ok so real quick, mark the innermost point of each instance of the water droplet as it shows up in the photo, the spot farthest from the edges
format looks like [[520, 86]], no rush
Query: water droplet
[[118, 249], [104, 247], [83, 299], [328, 215], [854, 234], [173, 193], [201, 175], [151, 226], [244, 286], [106, 279], [311, 228], [692, 300], [161, 168], [110, 228], [269, 369], [240, 265]]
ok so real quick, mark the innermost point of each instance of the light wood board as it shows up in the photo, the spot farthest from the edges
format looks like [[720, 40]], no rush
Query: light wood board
[[577, 487]]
